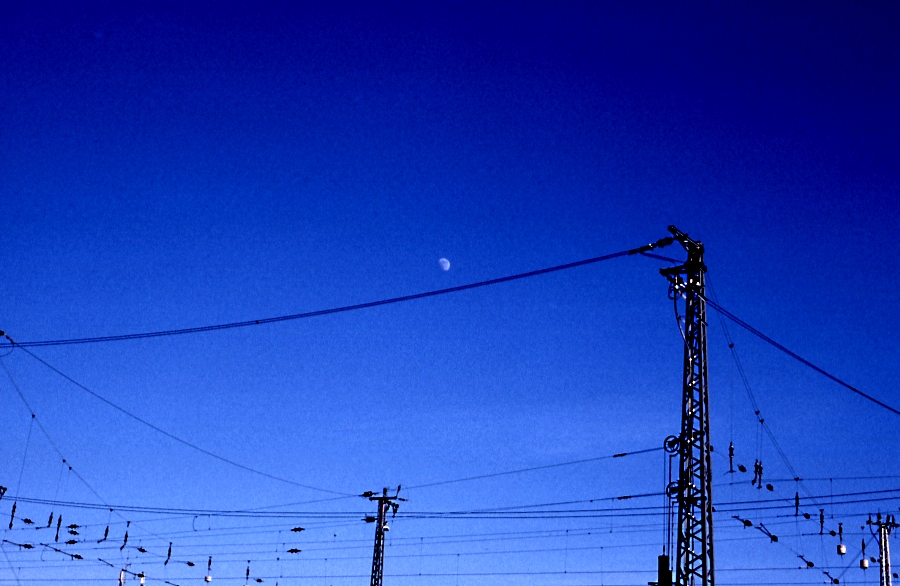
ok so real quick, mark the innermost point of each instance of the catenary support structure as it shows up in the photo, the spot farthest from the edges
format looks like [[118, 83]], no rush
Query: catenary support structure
[[694, 562], [385, 502]]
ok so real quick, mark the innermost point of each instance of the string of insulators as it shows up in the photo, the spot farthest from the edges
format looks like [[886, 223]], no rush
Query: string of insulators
[[757, 476], [13, 515], [73, 529], [774, 539], [74, 556], [247, 576]]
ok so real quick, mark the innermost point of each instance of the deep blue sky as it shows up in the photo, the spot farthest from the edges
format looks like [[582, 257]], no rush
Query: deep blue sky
[[169, 166]]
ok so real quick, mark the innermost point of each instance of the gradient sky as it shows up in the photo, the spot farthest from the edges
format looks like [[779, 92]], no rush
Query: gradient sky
[[175, 166]]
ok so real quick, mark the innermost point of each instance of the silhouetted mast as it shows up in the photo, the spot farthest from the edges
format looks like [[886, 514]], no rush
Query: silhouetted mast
[[384, 502], [694, 562], [884, 526]]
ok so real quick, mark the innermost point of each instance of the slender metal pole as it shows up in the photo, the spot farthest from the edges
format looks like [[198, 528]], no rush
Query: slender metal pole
[[384, 503], [378, 555]]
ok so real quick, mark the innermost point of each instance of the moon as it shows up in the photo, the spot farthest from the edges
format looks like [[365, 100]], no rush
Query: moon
[[445, 264]]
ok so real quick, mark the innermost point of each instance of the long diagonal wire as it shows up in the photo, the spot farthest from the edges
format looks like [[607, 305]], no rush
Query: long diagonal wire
[[46, 434], [171, 435], [26, 345], [321, 312], [797, 357], [544, 467], [724, 312]]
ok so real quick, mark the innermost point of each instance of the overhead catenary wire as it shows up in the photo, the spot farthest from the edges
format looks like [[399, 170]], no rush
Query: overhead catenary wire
[[752, 397], [46, 434], [321, 312], [25, 347], [724, 312], [262, 512], [523, 510], [507, 472], [534, 468], [797, 357], [175, 437]]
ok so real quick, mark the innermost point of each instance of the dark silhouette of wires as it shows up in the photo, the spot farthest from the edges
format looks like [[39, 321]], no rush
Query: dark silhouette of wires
[[175, 437], [494, 474], [308, 314], [796, 356]]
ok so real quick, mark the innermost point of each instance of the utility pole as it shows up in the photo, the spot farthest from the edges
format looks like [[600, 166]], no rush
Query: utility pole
[[884, 548], [693, 491], [384, 502]]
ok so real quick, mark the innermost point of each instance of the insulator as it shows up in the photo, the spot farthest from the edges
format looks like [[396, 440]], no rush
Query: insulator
[[864, 564], [841, 549]]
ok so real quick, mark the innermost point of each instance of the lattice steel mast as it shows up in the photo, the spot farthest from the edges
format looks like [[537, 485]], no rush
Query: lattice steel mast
[[385, 502], [884, 546], [693, 491]]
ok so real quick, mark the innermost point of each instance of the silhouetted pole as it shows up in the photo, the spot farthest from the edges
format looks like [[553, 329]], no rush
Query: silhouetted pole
[[694, 562], [384, 502], [884, 547]]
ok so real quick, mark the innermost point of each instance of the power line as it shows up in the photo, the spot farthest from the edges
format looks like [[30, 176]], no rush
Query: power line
[[796, 356], [494, 474], [173, 436], [756, 410], [321, 312], [35, 419]]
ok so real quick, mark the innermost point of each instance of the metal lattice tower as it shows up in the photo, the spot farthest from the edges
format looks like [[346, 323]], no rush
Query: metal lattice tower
[[693, 492], [384, 503]]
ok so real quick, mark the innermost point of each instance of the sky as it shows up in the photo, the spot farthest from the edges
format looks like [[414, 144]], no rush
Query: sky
[[177, 165]]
